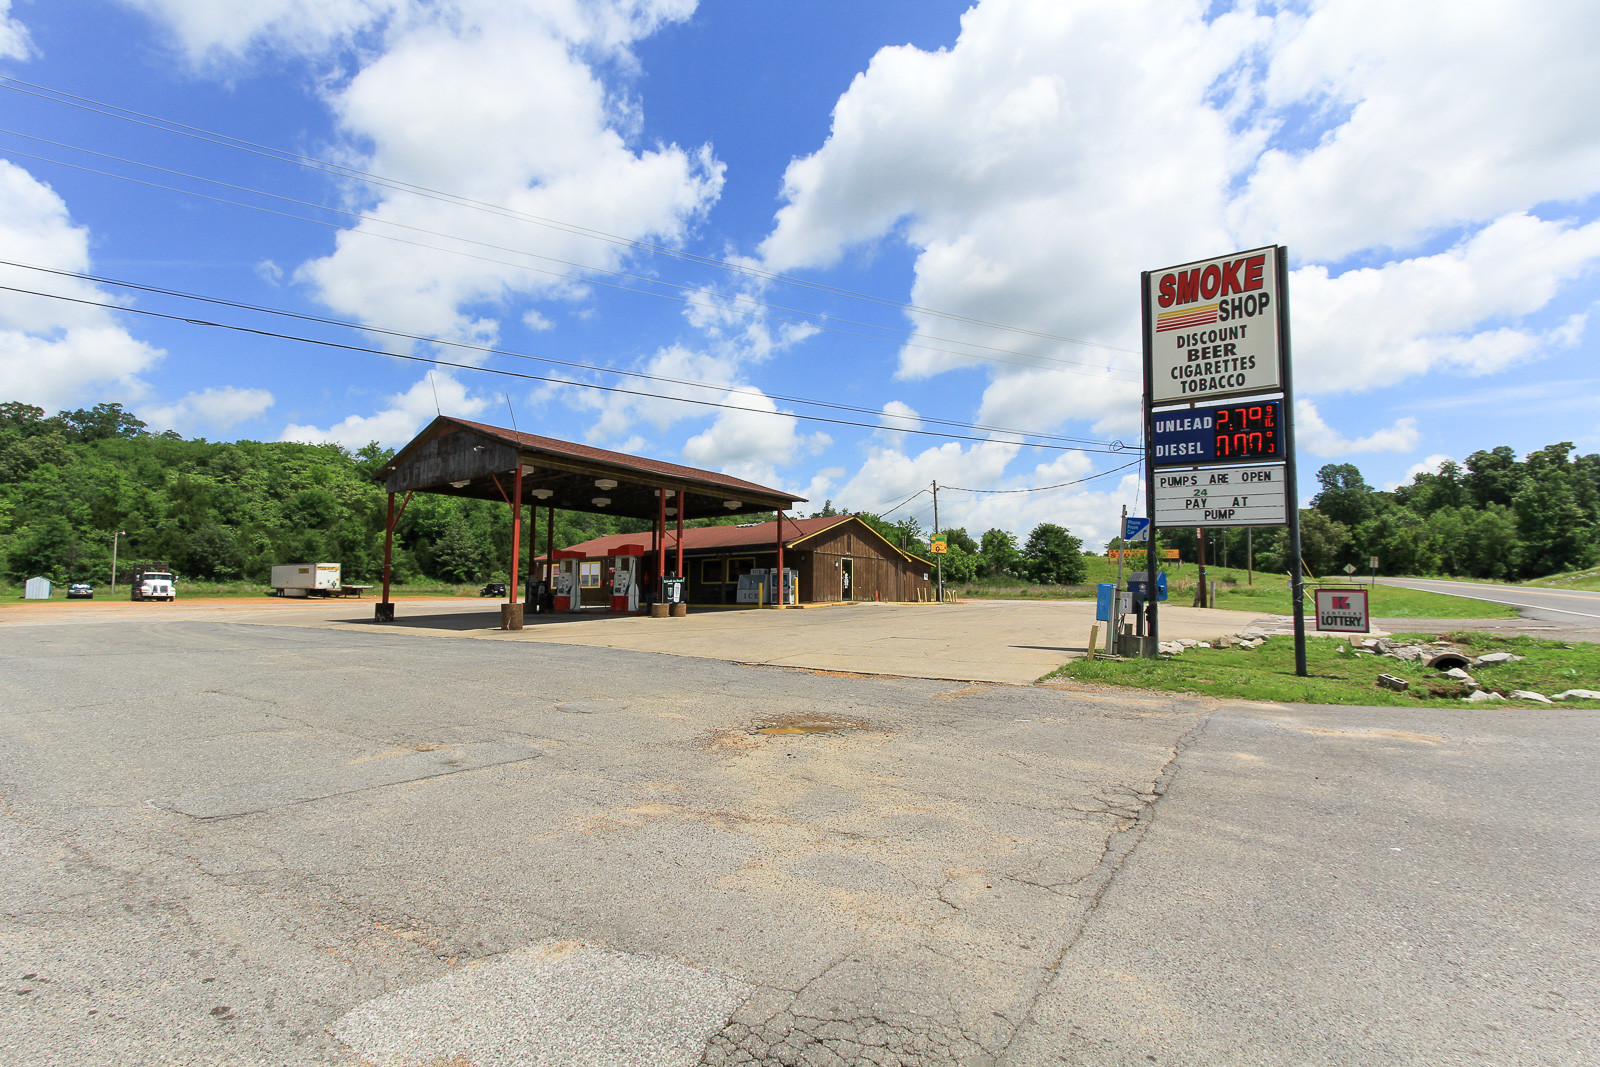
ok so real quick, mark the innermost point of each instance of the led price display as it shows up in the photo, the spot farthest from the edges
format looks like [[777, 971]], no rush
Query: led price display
[[1247, 431], [1228, 433]]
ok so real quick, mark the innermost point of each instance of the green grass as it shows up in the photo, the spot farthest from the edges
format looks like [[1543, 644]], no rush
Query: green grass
[[1390, 602], [1269, 595], [1588, 581], [1339, 676]]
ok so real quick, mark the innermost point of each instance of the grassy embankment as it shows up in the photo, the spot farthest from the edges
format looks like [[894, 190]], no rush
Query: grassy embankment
[[1339, 676], [1269, 595]]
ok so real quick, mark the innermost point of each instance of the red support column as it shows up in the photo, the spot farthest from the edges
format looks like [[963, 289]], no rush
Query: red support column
[[778, 600], [661, 537], [680, 543], [388, 547], [516, 533]]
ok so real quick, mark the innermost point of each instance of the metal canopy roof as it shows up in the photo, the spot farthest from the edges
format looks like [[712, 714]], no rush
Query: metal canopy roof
[[455, 457]]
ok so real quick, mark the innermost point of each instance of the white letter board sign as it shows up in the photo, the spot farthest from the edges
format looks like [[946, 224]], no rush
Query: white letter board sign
[[1222, 496]]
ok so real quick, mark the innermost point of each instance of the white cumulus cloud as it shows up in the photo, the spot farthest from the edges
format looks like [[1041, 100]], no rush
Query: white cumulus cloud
[[1314, 435], [219, 408], [54, 353], [751, 439], [401, 420]]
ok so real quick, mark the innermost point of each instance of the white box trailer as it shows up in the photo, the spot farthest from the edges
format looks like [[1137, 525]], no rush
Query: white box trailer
[[306, 579]]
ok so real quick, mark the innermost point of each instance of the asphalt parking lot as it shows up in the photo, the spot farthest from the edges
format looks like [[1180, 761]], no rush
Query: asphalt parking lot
[[993, 641], [253, 843]]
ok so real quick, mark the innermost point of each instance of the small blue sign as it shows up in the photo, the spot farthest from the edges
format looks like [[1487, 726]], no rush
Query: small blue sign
[[1135, 529], [1102, 601]]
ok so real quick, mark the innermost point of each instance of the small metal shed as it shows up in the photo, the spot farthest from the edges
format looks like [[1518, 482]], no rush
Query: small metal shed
[[38, 589]]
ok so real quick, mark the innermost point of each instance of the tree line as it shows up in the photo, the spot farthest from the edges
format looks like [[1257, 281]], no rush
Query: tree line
[[1493, 516], [230, 510]]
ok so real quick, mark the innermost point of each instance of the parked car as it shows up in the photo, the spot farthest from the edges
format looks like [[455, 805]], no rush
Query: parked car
[[80, 591], [493, 589]]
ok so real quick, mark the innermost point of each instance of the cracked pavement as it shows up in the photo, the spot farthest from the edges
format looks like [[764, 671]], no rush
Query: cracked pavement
[[241, 844]]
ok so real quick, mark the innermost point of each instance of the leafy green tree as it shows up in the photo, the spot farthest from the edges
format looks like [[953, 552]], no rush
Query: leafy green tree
[[958, 538], [1054, 557], [959, 564], [1346, 497], [44, 550], [1493, 476], [460, 556], [1001, 556], [102, 421], [1323, 542], [1554, 514]]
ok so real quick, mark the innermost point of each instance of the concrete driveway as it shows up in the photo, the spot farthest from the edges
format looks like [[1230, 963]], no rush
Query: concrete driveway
[[1011, 641]]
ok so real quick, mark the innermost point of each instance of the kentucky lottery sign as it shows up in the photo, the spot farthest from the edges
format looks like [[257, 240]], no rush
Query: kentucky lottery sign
[[1215, 328]]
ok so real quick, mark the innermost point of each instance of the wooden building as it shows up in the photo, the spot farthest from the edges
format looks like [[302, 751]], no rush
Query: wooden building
[[455, 457], [836, 558]]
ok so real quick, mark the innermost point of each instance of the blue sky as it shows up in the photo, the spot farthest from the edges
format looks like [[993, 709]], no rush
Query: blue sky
[[958, 198]]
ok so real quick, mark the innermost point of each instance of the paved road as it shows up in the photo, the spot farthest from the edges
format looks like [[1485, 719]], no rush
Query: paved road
[[250, 844], [1570, 614]]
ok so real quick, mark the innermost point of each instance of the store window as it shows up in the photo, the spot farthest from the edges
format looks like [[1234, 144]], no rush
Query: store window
[[589, 575], [711, 571]]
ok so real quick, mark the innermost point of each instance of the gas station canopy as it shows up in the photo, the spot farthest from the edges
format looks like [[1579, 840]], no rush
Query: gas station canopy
[[455, 457]]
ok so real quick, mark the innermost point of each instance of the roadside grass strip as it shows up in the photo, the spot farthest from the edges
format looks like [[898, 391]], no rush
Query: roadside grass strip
[[1341, 673]]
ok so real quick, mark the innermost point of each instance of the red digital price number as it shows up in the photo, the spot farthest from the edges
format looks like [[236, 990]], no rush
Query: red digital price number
[[1249, 431]]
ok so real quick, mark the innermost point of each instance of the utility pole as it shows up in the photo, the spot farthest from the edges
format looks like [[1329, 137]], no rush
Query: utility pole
[[114, 536], [936, 530]]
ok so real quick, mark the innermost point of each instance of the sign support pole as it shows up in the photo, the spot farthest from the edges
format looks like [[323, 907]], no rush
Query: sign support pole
[[1154, 640], [1297, 584]]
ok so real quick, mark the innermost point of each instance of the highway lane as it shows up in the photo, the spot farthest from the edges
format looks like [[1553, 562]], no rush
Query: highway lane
[[1574, 612]]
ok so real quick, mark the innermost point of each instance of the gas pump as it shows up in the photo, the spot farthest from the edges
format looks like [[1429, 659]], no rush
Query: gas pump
[[625, 584], [566, 584]]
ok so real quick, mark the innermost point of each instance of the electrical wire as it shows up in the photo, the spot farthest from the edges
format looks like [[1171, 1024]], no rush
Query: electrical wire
[[490, 350], [878, 511], [495, 370], [311, 162], [1027, 359], [1042, 488]]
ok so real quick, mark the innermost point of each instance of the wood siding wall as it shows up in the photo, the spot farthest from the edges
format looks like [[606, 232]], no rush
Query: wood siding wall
[[878, 572]]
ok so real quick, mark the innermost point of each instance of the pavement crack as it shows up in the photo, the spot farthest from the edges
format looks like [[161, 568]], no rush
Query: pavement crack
[[1120, 845]]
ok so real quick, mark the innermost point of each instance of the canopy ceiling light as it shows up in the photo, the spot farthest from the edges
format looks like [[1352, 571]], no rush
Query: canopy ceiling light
[[672, 511], [605, 483], [541, 494], [732, 504], [462, 484], [601, 501]]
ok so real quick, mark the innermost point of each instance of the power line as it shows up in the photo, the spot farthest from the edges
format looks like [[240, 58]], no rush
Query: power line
[[1027, 359], [495, 370], [490, 350], [878, 511], [1042, 488], [311, 162]]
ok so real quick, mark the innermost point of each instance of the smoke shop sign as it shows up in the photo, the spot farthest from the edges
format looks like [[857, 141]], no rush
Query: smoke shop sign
[[1214, 328]]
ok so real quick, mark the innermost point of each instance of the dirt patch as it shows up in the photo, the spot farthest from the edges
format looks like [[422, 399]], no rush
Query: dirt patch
[[1390, 735]]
